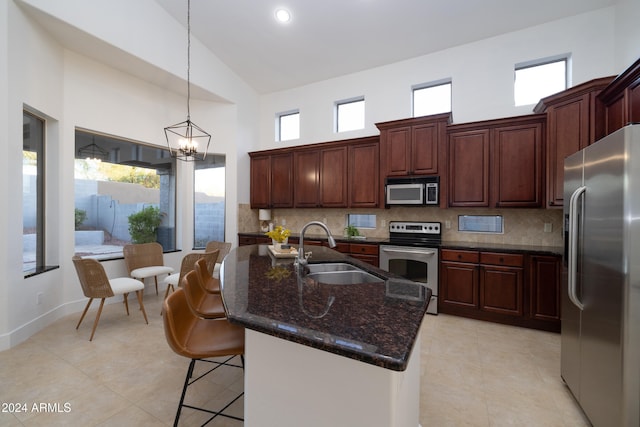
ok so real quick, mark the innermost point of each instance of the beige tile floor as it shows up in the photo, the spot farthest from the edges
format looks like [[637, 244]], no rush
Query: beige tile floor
[[473, 374]]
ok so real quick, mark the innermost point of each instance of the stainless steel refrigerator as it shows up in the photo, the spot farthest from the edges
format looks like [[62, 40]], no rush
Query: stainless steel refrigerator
[[600, 341]]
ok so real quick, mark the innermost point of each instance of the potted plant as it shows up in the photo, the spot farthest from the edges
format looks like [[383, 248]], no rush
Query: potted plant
[[279, 236], [144, 224], [351, 231]]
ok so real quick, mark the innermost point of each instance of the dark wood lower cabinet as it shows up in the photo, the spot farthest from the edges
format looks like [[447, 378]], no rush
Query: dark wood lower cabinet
[[459, 285], [501, 290], [515, 289], [244, 240], [544, 277], [368, 253]]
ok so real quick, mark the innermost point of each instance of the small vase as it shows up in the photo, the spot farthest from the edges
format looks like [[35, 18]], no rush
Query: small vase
[[278, 245]]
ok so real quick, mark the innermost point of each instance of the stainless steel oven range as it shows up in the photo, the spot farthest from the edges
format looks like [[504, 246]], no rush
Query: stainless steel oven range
[[412, 253]]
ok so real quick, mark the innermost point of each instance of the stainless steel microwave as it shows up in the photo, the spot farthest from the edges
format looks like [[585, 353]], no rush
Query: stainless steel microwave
[[416, 191]]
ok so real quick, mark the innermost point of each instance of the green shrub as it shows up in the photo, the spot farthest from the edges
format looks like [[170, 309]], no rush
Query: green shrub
[[80, 215], [351, 231], [144, 224]]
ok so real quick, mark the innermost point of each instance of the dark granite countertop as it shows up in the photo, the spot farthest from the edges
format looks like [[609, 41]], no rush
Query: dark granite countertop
[[376, 323], [501, 247], [323, 237]]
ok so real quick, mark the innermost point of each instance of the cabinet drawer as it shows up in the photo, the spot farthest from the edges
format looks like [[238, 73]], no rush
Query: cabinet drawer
[[512, 260], [364, 249], [342, 247], [244, 240], [460, 256]]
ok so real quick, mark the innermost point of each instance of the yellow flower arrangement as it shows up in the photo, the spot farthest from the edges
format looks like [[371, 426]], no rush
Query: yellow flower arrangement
[[279, 234]]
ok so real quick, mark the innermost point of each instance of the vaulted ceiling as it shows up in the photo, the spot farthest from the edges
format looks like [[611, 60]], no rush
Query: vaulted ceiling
[[330, 38]]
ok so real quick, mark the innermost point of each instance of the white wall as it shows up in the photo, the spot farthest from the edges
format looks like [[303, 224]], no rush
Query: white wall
[[482, 75], [35, 81], [73, 90], [627, 33], [4, 161]]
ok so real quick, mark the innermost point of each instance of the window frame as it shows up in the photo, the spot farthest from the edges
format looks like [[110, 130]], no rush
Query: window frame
[[134, 153], [40, 212], [566, 58], [279, 125], [345, 102], [431, 85], [358, 220]]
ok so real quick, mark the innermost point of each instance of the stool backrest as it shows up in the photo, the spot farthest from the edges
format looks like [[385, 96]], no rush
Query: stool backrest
[[223, 247], [191, 259], [178, 321]]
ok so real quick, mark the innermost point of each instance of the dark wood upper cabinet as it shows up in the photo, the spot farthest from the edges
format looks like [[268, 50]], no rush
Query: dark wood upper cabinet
[[517, 166], [306, 181], [333, 177], [271, 179], [364, 174], [412, 146], [497, 163], [621, 99], [469, 168], [282, 180], [332, 174], [575, 119], [260, 182]]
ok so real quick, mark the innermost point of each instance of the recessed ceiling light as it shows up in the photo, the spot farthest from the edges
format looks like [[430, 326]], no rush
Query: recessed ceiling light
[[283, 15]]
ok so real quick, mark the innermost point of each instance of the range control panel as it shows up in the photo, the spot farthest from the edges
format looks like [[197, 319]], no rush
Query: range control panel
[[415, 227]]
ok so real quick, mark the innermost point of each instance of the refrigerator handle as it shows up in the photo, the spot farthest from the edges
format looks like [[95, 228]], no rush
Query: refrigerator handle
[[573, 246]]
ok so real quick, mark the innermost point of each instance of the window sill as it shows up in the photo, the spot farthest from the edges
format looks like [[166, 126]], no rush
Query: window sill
[[40, 270]]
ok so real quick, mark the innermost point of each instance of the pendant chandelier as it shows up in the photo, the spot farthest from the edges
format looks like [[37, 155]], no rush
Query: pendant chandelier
[[186, 140], [93, 151]]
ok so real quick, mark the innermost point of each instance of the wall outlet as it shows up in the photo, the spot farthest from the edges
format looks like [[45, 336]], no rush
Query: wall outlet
[[447, 224], [283, 222], [324, 220], [548, 227], [39, 298], [383, 223]]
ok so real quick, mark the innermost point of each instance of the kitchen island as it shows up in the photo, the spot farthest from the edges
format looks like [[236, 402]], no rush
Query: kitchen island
[[319, 354]]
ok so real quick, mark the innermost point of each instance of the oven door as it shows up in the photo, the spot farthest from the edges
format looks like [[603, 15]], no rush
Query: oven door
[[415, 264]]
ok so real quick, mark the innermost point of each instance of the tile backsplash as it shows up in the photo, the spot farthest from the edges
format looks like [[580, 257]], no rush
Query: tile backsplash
[[521, 226]]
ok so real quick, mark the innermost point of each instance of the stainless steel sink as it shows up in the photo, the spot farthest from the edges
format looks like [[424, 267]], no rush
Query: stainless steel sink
[[348, 277], [331, 266]]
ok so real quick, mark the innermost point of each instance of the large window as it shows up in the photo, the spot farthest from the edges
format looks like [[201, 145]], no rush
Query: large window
[[350, 115], [432, 98], [535, 80], [33, 193], [288, 126], [115, 179], [208, 200]]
